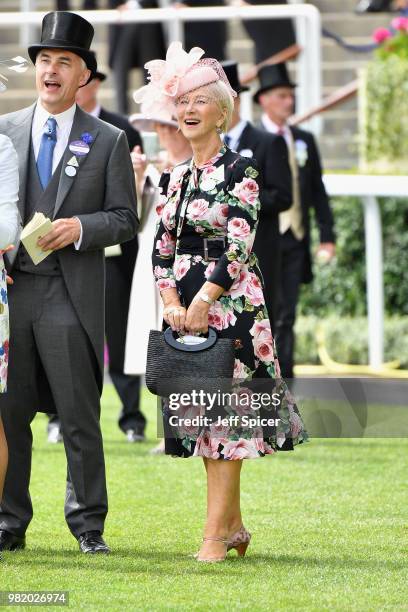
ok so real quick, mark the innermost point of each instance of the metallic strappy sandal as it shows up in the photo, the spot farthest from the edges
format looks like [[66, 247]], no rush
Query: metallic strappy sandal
[[214, 559]]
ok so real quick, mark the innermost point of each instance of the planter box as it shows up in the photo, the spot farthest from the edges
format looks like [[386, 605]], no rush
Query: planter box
[[383, 116]]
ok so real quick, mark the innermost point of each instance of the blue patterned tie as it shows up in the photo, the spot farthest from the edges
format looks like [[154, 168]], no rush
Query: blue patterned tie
[[44, 160]]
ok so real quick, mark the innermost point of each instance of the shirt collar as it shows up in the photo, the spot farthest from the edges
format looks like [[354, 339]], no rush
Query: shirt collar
[[63, 119], [95, 112], [236, 132], [273, 127]]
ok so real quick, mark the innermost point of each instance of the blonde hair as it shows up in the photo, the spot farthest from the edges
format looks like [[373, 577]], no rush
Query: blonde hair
[[222, 96]]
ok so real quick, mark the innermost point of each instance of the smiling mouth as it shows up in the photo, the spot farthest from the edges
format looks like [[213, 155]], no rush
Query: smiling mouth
[[52, 85], [191, 122]]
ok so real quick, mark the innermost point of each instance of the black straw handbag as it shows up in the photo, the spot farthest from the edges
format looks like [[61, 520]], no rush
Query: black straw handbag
[[177, 367]]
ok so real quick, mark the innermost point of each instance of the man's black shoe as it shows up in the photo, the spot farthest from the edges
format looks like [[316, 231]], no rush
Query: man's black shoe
[[9, 541], [92, 542]]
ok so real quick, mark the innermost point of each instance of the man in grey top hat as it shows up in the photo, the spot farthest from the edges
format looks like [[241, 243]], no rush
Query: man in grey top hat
[[77, 171]]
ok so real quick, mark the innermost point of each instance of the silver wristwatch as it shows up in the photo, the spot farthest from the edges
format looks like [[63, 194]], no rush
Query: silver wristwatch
[[206, 298]]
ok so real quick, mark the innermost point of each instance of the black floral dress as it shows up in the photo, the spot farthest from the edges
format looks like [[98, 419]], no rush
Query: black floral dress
[[219, 206]]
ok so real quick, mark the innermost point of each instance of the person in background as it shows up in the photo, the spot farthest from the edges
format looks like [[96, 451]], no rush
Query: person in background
[[208, 35], [119, 273], [148, 314], [131, 45], [276, 98], [271, 154], [269, 35], [9, 223]]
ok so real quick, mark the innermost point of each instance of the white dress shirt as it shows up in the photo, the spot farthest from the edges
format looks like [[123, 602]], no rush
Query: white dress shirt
[[95, 112], [274, 128], [9, 218], [235, 134], [64, 126]]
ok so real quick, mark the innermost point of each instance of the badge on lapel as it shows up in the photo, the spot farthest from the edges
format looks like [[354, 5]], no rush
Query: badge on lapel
[[246, 153], [79, 148], [301, 152]]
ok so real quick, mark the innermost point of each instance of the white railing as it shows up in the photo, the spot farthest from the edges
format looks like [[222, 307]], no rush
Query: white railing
[[306, 18], [369, 188]]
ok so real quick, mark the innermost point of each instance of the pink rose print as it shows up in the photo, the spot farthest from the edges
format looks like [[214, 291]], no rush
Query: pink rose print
[[168, 215], [239, 449], [161, 204], [239, 285], [207, 446], [247, 191], [253, 290], [209, 269], [160, 272], [220, 319], [218, 215], [176, 178], [165, 283], [239, 369], [238, 228], [197, 209], [260, 326], [263, 343], [166, 245], [182, 265], [207, 172], [234, 269]]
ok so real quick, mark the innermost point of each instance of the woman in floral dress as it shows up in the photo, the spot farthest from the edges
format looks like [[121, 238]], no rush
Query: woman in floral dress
[[207, 275], [8, 231]]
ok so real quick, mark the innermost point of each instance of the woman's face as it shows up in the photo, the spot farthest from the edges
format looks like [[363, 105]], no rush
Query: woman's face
[[198, 114]]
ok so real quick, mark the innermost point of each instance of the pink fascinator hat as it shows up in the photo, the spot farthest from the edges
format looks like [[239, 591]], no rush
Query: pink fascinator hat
[[175, 76]]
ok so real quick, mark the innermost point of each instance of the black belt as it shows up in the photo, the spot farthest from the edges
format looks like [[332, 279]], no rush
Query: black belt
[[205, 247]]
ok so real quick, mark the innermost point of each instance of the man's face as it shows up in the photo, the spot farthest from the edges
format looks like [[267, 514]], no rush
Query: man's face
[[86, 96], [278, 103], [58, 75]]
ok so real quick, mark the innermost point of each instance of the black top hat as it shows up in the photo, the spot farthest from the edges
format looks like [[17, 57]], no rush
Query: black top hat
[[231, 70], [69, 31], [271, 76], [101, 76]]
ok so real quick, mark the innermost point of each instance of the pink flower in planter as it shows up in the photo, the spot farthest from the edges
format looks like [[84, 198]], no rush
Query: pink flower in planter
[[400, 23], [381, 34]]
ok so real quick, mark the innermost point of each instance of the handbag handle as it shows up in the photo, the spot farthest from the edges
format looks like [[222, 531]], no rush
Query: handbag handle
[[191, 348]]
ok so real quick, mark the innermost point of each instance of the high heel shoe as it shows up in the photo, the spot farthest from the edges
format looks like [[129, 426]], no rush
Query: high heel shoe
[[240, 541], [214, 559]]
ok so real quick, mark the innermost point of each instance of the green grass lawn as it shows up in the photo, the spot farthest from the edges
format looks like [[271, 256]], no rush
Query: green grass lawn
[[329, 524]]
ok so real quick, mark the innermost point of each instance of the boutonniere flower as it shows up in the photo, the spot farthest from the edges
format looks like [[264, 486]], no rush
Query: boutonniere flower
[[211, 177], [301, 153], [87, 138]]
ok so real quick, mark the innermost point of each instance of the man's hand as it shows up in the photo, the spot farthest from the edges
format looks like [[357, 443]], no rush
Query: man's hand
[[326, 251], [63, 233]]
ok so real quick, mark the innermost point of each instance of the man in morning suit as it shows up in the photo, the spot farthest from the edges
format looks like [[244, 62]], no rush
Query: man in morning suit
[[271, 154], [276, 98], [76, 170]]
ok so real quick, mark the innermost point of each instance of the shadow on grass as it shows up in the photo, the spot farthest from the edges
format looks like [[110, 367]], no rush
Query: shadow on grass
[[119, 561]]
